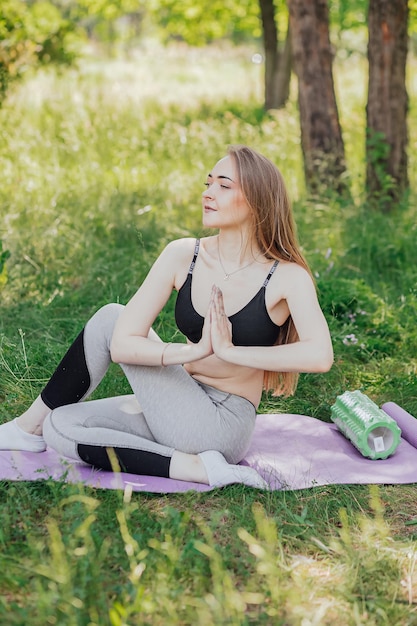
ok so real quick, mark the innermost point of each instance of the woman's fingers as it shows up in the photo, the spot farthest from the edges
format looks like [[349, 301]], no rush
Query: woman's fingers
[[221, 331]]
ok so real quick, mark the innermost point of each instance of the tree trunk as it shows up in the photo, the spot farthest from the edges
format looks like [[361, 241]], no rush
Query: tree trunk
[[321, 135], [387, 138], [277, 63], [283, 78]]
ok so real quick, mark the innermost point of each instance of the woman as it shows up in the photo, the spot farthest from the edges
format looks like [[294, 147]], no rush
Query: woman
[[246, 303]]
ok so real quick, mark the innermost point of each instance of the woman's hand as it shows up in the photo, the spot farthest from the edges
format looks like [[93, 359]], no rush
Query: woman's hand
[[205, 343], [221, 328]]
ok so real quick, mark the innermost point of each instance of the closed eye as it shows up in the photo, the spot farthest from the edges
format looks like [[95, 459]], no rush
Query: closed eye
[[222, 186]]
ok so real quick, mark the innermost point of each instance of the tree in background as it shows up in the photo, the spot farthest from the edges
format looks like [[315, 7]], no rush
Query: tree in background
[[277, 56], [386, 145], [321, 136], [34, 32], [199, 23]]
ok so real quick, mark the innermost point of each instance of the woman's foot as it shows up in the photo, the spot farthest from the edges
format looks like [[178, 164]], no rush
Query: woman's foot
[[12, 437], [221, 473]]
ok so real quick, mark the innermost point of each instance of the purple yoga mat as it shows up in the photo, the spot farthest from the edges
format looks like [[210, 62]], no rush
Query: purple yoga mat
[[405, 421], [16, 465], [290, 451], [297, 452]]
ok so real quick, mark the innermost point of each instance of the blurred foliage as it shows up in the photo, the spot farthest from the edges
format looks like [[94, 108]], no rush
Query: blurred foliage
[[4, 255], [31, 34], [348, 13], [34, 32], [203, 22]]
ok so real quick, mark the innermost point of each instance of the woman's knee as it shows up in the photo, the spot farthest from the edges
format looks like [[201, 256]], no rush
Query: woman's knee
[[55, 435], [101, 325], [109, 312]]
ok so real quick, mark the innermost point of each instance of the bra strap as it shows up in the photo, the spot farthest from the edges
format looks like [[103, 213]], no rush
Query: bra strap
[[271, 271], [196, 249]]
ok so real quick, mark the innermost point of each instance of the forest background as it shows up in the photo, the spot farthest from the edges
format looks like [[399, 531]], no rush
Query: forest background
[[112, 113]]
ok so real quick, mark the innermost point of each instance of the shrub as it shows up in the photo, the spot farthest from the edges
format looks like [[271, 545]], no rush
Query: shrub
[[31, 35]]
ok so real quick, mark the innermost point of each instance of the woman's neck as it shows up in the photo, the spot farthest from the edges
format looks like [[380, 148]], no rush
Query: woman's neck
[[235, 249]]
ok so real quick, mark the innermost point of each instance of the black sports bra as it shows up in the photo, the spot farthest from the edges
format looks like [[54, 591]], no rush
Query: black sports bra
[[251, 326]]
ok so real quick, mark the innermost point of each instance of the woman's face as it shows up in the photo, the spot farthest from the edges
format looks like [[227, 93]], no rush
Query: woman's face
[[223, 201]]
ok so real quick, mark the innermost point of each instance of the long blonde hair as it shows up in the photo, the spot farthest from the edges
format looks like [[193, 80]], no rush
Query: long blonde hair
[[274, 232]]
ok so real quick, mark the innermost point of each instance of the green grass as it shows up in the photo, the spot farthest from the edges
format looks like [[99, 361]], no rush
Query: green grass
[[101, 166]]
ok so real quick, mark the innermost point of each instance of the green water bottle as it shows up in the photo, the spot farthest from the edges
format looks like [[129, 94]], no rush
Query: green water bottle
[[374, 433]]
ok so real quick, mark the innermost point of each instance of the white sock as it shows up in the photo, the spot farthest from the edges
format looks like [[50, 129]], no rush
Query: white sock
[[12, 437], [221, 473]]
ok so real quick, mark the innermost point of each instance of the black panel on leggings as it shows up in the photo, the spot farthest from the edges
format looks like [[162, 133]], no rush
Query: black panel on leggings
[[71, 379], [130, 461]]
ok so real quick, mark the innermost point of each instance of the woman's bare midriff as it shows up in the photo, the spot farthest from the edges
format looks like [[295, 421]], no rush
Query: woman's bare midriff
[[241, 381]]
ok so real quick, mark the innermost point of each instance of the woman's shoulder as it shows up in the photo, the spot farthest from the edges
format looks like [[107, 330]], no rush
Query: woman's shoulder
[[178, 253], [187, 245], [289, 268], [292, 276], [180, 247]]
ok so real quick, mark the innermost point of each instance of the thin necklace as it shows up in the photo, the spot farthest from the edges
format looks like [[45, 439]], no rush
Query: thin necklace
[[228, 274]]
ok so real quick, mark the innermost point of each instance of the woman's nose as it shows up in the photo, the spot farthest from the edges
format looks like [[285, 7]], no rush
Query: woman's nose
[[207, 193]]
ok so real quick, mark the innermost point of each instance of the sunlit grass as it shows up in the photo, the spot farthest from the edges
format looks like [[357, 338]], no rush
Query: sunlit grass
[[125, 560]]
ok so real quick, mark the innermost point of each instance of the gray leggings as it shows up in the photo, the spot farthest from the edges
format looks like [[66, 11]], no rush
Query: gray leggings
[[168, 411]]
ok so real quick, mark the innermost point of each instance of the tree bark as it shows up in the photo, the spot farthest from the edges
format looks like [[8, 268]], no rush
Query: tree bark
[[321, 135], [283, 78], [277, 62], [387, 136]]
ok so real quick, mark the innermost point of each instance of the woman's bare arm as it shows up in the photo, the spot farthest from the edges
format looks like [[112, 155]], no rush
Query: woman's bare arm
[[312, 353], [131, 342]]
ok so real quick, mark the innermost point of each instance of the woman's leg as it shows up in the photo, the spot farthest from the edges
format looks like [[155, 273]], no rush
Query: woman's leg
[[183, 420], [86, 361], [180, 414], [75, 378], [88, 430], [112, 433]]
